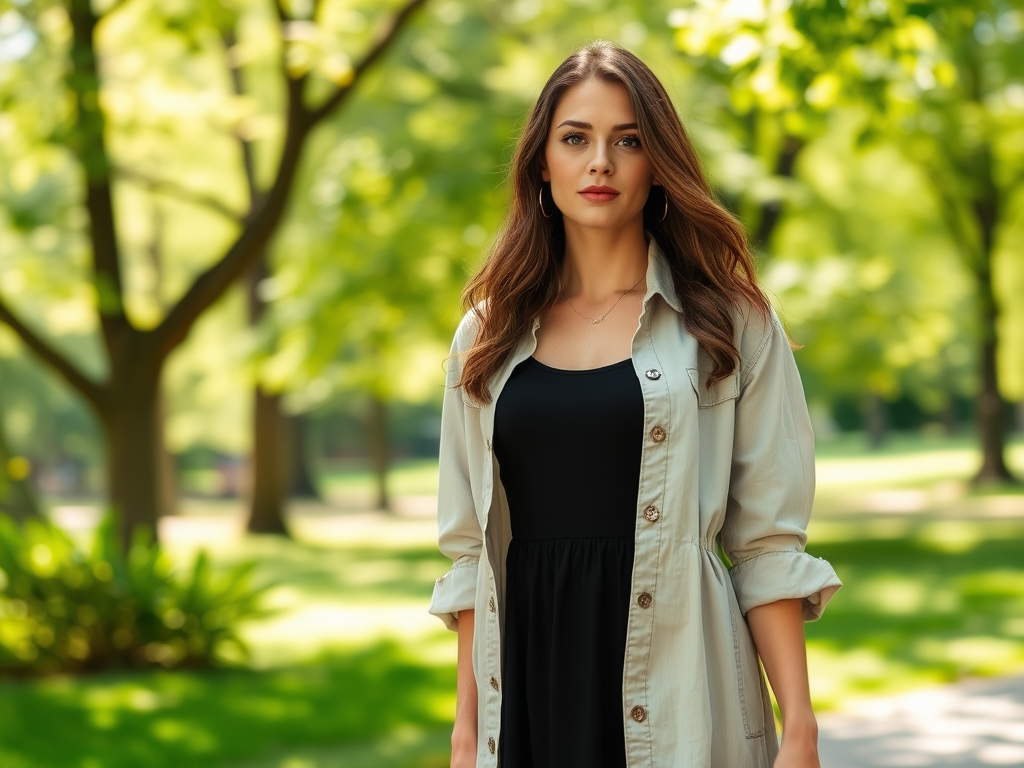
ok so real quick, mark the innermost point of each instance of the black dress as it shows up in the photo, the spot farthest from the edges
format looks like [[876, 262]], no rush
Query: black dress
[[568, 446]]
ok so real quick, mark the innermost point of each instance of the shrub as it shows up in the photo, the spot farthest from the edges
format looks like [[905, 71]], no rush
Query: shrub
[[65, 608]]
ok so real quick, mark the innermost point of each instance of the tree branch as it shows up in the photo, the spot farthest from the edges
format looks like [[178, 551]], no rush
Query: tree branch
[[89, 144], [90, 390], [162, 186], [260, 225], [235, 73], [263, 219], [383, 41]]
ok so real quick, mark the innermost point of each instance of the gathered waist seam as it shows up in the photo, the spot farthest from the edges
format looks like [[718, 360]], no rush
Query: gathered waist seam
[[530, 539]]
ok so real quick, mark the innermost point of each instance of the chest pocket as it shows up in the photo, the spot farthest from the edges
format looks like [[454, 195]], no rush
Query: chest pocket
[[726, 389]]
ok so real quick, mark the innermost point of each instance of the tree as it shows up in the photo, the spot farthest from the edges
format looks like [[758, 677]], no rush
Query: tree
[[125, 399], [932, 76]]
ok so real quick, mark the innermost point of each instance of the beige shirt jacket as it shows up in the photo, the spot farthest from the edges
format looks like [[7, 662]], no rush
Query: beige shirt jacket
[[732, 463]]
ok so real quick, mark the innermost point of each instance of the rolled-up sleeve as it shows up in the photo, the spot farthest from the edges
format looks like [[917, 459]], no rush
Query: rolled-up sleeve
[[771, 490], [459, 535]]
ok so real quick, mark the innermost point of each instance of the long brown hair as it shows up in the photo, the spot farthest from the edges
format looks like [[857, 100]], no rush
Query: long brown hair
[[712, 267]]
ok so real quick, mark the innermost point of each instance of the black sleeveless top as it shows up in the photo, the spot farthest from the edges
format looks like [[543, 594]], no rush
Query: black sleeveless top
[[568, 446]]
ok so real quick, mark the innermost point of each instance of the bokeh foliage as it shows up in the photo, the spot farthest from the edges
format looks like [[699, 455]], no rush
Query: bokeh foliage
[[398, 197], [69, 608]]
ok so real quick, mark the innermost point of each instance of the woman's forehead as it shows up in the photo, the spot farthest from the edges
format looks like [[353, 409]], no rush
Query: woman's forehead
[[599, 103]]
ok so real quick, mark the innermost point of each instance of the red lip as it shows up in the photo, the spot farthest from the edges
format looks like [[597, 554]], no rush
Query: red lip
[[601, 190]]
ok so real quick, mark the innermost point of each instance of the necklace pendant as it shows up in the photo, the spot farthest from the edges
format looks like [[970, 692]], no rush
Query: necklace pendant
[[598, 320]]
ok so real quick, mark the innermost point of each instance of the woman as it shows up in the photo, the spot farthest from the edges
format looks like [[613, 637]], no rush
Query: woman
[[622, 406]]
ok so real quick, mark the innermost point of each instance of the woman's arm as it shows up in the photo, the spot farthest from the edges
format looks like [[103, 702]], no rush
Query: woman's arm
[[778, 632], [464, 734]]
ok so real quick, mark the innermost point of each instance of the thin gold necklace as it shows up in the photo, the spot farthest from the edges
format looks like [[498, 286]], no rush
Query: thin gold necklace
[[599, 318]]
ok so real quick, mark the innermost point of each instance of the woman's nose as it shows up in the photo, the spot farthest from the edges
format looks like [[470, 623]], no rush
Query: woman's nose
[[600, 163]]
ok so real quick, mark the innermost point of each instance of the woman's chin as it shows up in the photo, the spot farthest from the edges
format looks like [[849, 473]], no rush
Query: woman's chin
[[596, 219]]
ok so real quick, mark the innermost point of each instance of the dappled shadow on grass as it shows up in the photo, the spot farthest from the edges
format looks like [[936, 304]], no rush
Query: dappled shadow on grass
[[928, 607], [406, 748], [358, 573], [173, 720]]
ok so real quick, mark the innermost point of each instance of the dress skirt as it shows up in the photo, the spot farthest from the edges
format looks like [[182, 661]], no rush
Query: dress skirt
[[568, 447]]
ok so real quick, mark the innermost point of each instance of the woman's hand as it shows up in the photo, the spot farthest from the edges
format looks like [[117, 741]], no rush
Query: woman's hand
[[799, 748]]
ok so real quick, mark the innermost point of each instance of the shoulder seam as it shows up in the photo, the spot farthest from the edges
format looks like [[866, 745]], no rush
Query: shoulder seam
[[769, 330]]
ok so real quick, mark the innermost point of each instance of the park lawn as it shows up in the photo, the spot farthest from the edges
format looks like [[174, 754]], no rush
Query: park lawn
[[353, 673], [314, 699]]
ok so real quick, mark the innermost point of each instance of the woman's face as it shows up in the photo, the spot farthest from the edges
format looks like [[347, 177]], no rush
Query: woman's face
[[598, 170]]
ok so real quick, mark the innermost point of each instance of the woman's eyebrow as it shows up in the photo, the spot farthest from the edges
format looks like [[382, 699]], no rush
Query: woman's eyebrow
[[589, 127]]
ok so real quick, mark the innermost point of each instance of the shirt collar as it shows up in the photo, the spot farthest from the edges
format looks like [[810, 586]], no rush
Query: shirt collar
[[659, 277]]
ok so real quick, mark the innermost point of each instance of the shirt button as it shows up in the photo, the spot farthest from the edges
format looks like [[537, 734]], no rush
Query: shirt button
[[658, 434], [638, 713], [644, 600], [652, 513], [490, 744], [490, 603], [653, 374], [494, 683], [488, 445]]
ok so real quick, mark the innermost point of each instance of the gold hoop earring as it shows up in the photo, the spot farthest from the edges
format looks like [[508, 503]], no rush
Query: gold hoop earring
[[665, 214], [540, 200]]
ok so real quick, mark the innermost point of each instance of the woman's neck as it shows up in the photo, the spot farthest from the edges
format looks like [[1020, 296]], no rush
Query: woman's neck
[[601, 262]]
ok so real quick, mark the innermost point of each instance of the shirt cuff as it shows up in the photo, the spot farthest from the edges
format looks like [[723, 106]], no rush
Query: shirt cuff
[[779, 575], [455, 591]]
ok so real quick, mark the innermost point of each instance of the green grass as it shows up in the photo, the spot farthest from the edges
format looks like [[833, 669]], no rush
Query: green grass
[[330, 684], [413, 477], [361, 696], [354, 674], [935, 604]]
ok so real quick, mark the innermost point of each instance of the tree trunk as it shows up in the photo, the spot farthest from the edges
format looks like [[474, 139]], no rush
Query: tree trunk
[[268, 476], [167, 472], [874, 420], [270, 462], [301, 484], [770, 213], [990, 415], [377, 439], [130, 433]]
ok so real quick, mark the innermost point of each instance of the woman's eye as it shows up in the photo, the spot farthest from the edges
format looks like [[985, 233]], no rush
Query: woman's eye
[[631, 141], [573, 139]]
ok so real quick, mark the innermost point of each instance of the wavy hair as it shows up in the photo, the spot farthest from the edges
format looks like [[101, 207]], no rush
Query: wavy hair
[[706, 247]]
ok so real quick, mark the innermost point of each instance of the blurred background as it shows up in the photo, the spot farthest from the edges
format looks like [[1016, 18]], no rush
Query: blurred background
[[233, 237]]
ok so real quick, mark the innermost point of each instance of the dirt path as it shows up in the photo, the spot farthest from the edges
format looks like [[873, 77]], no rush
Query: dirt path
[[974, 724]]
